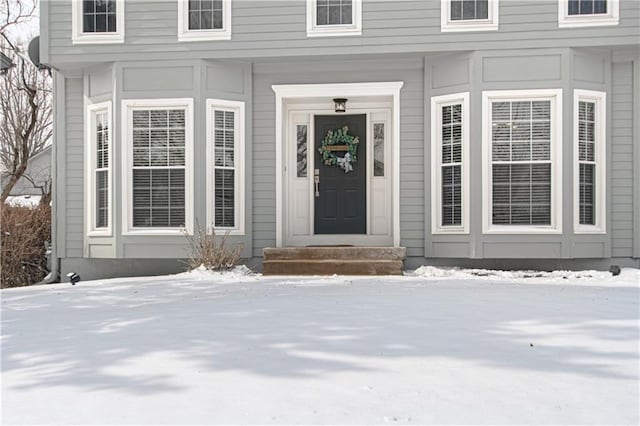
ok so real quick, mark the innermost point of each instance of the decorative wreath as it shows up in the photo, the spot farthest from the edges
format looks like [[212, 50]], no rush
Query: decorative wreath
[[340, 140]]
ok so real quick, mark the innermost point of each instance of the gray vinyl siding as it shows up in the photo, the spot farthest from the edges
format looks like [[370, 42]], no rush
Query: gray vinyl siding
[[72, 212], [409, 70], [621, 165], [278, 28]]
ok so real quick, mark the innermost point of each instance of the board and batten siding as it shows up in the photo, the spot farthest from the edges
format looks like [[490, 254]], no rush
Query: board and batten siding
[[408, 70], [269, 28], [621, 164]]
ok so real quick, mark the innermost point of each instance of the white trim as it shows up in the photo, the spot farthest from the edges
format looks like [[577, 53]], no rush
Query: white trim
[[612, 17], [600, 100], [239, 169], [128, 105], [555, 96], [329, 91], [489, 24], [92, 111], [355, 28], [186, 34], [80, 37], [437, 102]]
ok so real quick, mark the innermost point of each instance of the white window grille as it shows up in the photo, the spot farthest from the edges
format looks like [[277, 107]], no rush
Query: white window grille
[[334, 17], [469, 15], [449, 151], [589, 175], [160, 138], [522, 166], [225, 165]]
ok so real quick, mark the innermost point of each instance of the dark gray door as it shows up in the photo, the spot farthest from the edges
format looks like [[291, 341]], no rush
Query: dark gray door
[[341, 207]]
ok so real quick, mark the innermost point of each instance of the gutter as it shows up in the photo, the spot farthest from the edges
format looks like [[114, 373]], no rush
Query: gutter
[[54, 260]]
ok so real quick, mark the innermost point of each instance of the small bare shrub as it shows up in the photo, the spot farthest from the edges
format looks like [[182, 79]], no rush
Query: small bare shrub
[[212, 251], [24, 233]]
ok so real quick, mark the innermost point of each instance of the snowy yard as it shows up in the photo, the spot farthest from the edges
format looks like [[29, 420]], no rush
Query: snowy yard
[[446, 348]]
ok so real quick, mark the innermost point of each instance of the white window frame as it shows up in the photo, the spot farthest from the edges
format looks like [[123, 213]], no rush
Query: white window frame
[[78, 36], [612, 17], [489, 24], [239, 173], [555, 96], [600, 152], [314, 30], [185, 34], [128, 105], [91, 163], [437, 103]]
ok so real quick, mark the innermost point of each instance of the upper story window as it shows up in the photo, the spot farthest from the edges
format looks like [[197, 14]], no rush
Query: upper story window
[[587, 13], [334, 17], [469, 15], [204, 20], [522, 174], [97, 21]]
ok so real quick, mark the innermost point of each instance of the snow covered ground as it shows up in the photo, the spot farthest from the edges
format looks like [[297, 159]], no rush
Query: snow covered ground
[[439, 346]]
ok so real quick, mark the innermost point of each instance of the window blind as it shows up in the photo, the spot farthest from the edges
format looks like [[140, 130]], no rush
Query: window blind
[[102, 170], [158, 168], [586, 162], [521, 162], [451, 165], [224, 168]]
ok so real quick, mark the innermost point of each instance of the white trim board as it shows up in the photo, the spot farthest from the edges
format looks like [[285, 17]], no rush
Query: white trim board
[[78, 36], [353, 29], [329, 91], [437, 102], [128, 105], [467, 25], [555, 96], [612, 17]]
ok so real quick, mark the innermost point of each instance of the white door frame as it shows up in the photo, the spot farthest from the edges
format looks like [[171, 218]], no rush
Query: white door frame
[[286, 92]]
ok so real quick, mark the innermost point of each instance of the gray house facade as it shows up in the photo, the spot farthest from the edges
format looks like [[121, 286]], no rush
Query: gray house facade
[[489, 133]]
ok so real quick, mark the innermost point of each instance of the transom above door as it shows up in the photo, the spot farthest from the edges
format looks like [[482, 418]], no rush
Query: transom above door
[[331, 197]]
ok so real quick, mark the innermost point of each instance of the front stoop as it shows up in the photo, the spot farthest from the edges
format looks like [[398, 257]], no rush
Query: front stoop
[[334, 260]]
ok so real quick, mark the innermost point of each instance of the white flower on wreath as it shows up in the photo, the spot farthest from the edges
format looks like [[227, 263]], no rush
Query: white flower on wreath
[[345, 163]]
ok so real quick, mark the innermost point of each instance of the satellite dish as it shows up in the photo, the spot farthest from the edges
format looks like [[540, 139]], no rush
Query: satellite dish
[[34, 53]]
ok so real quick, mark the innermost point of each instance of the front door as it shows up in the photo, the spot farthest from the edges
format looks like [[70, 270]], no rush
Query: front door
[[341, 197]]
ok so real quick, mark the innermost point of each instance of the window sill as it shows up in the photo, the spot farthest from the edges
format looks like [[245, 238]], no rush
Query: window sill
[[468, 27], [585, 229], [517, 230], [588, 21], [334, 32], [449, 231], [99, 233], [98, 38], [155, 232], [204, 36]]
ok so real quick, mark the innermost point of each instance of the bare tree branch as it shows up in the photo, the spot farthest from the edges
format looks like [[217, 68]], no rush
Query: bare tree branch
[[26, 120]]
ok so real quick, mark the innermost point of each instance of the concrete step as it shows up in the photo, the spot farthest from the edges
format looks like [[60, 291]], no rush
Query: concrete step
[[332, 266], [335, 252]]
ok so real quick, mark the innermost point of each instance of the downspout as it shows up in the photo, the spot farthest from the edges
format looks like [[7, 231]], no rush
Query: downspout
[[54, 274]]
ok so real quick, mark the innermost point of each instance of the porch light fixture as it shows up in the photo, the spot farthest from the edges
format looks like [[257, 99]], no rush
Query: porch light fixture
[[341, 104]]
